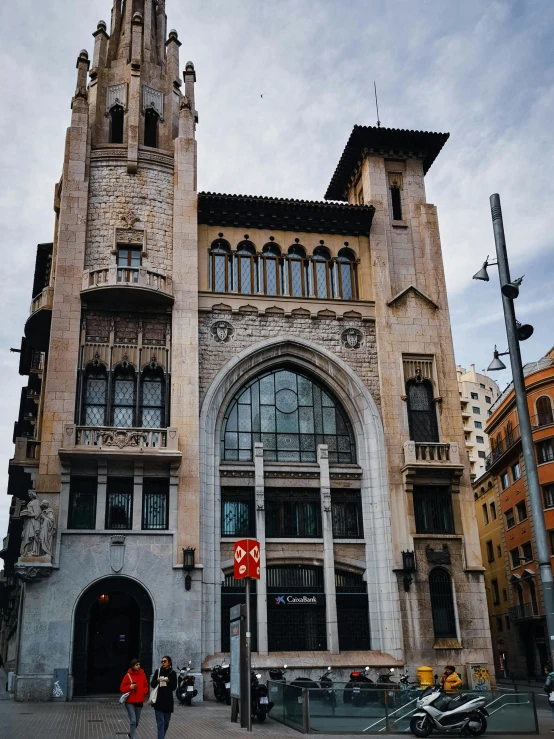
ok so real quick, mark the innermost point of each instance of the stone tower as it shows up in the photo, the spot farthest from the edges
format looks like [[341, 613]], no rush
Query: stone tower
[[204, 367]]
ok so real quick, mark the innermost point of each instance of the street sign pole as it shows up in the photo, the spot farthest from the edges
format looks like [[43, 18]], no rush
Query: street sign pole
[[248, 658]]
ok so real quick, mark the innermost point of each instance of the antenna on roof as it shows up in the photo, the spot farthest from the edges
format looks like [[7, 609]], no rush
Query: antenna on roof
[[376, 105]]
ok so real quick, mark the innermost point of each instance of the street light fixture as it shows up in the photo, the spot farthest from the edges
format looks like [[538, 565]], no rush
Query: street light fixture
[[515, 333], [497, 364]]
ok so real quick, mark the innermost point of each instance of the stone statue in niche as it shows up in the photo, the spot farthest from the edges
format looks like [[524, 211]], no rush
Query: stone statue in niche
[[47, 529], [30, 536]]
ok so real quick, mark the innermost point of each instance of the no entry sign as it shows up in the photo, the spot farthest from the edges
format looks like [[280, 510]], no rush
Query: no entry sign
[[247, 559]]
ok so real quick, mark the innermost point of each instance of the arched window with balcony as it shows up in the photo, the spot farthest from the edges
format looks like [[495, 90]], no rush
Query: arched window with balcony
[[544, 411], [346, 265], [220, 269], [246, 272], [298, 271], [323, 272], [95, 395], [117, 118], [422, 415], [151, 120], [124, 395], [442, 604], [272, 273], [152, 398]]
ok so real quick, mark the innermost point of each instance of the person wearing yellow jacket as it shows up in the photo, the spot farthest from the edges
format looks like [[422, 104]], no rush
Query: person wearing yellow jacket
[[450, 679]]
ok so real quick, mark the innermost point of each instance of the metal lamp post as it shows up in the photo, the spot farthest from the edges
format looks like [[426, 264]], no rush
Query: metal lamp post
[[516, 333]]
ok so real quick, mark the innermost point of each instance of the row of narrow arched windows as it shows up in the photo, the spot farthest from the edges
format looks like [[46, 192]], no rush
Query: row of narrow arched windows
[[117, 124], [124, 397], [273, 273]]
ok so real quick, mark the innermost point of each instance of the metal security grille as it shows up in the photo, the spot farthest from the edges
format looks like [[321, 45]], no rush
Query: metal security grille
[[433, 510], [295, 579], [347, 515], [290, 414], [237, 511], [119, 503], [353, 626], [442, 604], [349, 582], [155, 503], [152, 400], [422, 415], [292, 513], [298, 629], [82, 503]]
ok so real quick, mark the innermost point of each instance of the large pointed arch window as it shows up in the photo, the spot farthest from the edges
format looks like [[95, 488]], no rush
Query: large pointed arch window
[[291, 414], [422, 416], [152, 398], [442, 604], [220, 270], [124, 396], [95, 395], [246, 273]]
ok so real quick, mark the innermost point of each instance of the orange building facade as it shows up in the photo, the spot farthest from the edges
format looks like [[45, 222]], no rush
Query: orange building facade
[[519, 635]]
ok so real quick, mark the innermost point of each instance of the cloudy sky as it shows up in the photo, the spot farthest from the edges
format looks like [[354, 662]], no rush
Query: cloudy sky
[[481, 70]]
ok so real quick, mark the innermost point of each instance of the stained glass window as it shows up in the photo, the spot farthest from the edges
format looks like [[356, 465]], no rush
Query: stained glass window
[[290, 414], [95, 396], [152, 399], [124, 397]]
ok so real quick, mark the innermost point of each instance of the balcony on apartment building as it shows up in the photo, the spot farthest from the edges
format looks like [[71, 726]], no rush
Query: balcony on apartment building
[[523, 611], [501, 445], [130, 443], [124, 283], [37, 327]]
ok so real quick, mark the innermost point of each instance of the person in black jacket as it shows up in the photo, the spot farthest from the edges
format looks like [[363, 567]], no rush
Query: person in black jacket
[[166, 680]]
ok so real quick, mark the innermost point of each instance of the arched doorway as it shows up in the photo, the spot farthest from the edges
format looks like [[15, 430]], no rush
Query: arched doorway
[[114, 622]]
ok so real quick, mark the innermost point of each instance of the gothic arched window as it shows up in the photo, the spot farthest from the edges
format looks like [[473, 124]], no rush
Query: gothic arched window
[[323, 272], [151, 119], [298, 272], [346, 262], [442, 604], [544, 411], [124, 396], [290, 414], [95, 395], [271, 274], [117, 116], [246, 273], [220, 272], [422, 416], [152, 398]]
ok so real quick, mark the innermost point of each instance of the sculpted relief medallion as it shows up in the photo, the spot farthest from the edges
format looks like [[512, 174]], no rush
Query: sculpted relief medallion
[[222, 331], [352, 338]]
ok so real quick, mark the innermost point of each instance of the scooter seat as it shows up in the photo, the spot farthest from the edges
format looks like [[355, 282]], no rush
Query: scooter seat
[[458, 701]]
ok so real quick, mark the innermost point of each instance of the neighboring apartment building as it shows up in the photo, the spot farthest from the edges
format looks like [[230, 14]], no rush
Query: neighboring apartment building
[[477, 393], [506, 470], [204, 367]]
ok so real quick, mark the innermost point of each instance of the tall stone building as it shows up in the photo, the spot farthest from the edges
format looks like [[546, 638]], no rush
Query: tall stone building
[[206, 366], [477, 394]]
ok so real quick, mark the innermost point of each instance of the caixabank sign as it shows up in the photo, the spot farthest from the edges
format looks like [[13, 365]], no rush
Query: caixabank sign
[[303, 600]]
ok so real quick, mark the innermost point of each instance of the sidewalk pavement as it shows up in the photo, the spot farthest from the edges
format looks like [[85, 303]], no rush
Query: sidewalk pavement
[[108, 720]]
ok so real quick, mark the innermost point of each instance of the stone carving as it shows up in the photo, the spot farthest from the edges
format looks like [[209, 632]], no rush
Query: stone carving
[[352, 338], [117, 552], [24, 572], [438, 557], [116, 95], [30, 537], [121, 438], [47, 529], [222, 331], [153, 99]]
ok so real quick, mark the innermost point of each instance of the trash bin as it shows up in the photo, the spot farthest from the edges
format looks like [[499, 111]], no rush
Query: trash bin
[[425, 677]]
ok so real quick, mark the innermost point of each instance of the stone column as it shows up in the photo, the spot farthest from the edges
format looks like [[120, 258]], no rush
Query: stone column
[[137, 495], [328, 553], [260, 535], [101, 494], [134, 103]]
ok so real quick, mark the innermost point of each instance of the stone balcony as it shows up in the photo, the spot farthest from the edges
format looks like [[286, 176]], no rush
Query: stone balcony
[[432, 462], [118, 283], [37, 327], [130, 443], [27, 452]]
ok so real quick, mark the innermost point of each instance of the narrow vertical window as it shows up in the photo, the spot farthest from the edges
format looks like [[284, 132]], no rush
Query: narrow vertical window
[[220, 266], [124, 389], [155, 503], [322, 272], [422, 416], [151, 119], [119, 503], [95, 396], [347, 274], [395, 188], [442, 604], [128, 263], [298, 286], [152, 398], [116, 124], [246, 271], [82, 502], [271, 273], [544, 411]]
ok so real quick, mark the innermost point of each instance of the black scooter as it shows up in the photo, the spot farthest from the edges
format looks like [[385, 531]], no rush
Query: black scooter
[[221, 680], [185, 685], [360, 690], [322, 690], [260, 704]]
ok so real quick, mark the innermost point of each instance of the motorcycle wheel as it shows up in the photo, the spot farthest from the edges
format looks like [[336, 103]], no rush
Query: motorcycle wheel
[[421, 726], [182, 697], [260, 715], [477, 726], [228, 699]]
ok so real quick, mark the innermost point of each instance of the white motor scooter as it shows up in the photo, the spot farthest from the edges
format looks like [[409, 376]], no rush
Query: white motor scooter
[[462, 714]]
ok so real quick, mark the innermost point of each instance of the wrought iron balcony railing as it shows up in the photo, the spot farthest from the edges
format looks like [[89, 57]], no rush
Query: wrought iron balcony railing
[[523, 610]]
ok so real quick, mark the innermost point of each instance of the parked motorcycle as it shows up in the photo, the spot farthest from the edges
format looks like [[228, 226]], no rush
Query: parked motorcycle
[[321, 690], [260, 704], [185, 685], [360, 690], [221, 680], [436, 710]]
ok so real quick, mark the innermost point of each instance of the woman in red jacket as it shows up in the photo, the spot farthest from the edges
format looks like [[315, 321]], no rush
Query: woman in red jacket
[[135, 683]]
